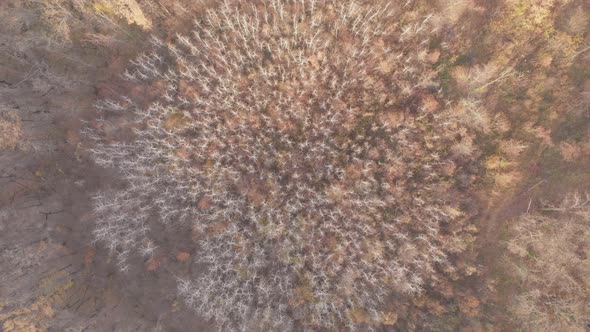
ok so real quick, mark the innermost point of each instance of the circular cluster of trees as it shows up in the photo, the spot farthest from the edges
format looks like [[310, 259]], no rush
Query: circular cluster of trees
[[306, 147]]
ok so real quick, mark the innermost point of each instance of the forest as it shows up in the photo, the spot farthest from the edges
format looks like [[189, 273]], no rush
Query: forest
[[294, 165]]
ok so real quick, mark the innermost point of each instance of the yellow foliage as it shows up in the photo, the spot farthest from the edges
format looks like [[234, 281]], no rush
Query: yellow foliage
[[497, 163], [305, 293], [104, 8], [127, 9], [175, 121], [10, 130], [453, 212], [389, 318], [31, 319], [507, 179], [523, 17], [359, 315]]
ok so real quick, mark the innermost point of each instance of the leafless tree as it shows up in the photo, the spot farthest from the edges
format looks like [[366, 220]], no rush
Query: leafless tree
[[290, 136]]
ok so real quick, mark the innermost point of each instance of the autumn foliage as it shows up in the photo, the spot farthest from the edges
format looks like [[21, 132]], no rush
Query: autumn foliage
[[306, 147]]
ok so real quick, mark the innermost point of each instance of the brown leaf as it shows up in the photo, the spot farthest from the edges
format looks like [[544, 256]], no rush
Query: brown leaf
[[153, 264], [183, 256], [89, 256], [389, 318], [469, 305], [204, 203]]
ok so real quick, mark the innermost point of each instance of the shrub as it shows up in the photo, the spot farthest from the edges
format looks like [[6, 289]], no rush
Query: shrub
[[550, 259]]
